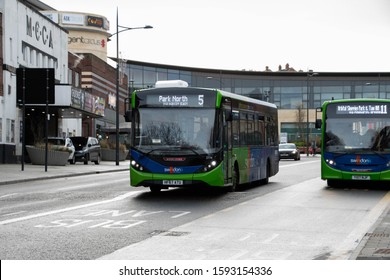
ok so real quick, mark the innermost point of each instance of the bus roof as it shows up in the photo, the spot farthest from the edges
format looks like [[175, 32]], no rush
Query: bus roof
[[222, 92], [355, 100], [246, 99]]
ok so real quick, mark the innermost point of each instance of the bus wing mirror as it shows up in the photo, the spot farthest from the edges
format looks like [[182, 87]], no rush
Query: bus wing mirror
[[128, 116], [318, 123]]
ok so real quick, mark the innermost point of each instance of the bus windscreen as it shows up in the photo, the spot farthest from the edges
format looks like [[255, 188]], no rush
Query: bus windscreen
[[357, 128]]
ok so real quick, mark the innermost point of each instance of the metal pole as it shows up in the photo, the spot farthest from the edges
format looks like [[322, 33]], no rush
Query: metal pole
[[307, 115], [117, 92], [47, 119], [24, 118], [308, 75], [117, 80]]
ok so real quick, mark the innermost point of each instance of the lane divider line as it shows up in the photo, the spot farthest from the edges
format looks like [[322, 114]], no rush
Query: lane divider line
[[39, 215]]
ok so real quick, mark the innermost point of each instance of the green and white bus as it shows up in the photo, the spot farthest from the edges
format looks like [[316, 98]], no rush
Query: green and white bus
[[183, 136], [355, 140]]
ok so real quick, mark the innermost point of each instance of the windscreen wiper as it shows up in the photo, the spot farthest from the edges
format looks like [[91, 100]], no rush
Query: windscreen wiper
[[191, 148]]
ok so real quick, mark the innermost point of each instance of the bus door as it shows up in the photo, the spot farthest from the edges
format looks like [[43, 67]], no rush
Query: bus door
[[227, 141]]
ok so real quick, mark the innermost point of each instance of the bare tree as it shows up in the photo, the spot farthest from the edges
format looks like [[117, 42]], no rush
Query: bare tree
[[301, 120]]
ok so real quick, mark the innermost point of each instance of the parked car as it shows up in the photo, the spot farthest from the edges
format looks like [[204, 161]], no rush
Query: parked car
[[87, 149], [289, 151], [65, 142]]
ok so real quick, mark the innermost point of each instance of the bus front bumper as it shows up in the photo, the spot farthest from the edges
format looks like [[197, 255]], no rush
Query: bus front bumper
[[211, 178], [329, 173]]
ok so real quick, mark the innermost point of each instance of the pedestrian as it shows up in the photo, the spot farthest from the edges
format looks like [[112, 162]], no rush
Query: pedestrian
[[311, 150]]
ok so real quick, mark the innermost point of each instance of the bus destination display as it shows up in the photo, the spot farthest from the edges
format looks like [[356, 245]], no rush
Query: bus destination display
[[355, 109], [166, 100]]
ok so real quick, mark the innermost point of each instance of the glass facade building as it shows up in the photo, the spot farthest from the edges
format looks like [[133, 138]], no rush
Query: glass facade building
[[297, 94]]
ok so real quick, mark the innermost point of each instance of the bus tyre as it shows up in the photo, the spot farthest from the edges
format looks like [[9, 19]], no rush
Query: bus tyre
[[235, 179], [267, 173], [333, 183], [155, 189]]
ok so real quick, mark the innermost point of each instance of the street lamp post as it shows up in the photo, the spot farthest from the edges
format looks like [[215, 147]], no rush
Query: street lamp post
[[308, 75], [117, 79]]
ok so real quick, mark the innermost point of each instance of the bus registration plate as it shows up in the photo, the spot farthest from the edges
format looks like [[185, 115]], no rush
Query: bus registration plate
[[173, 182], [361, 177]]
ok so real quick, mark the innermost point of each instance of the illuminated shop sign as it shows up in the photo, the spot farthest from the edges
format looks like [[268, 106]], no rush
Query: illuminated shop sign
[[75, 19], [95, 21]]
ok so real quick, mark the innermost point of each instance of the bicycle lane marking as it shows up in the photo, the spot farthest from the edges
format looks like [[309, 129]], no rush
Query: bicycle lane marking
[[29, 217]]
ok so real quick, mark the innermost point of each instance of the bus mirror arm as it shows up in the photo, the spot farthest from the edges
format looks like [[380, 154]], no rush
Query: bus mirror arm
[[318, 123], [228, 115], [128, 116]]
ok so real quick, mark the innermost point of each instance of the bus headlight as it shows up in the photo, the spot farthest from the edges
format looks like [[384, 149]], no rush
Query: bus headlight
[[137, 166], [209, 166], [330, 162]]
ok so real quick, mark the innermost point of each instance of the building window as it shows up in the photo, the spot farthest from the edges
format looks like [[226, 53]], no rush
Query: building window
[[1, 130], [25, 53], [76, 79], [11, 49], [10, 132], [32, 56], [70, 76], [173, 74]]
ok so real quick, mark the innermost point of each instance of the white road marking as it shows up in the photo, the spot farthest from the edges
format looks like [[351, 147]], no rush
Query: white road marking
[[295, 164], [90, 185], [14, 213], [8, 195], [118, 198]]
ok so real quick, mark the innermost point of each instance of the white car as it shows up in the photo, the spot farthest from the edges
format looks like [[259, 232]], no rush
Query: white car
[[65, 142]]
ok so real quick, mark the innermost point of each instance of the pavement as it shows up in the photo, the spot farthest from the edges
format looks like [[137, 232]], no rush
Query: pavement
[[13, 173], [375, 245]]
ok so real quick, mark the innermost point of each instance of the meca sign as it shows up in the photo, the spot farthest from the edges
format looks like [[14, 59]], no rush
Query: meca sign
[[41, 33]]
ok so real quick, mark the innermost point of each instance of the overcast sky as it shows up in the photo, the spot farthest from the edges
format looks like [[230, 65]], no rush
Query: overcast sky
[[322, 35]]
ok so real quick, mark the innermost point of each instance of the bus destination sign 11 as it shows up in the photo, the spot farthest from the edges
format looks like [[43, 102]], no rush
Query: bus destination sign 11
[[356, 109]]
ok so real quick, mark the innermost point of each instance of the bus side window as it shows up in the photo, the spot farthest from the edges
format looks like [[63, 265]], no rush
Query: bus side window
[[251, 130], [243, 129], [383, 139], [236, 131], [261, 130]]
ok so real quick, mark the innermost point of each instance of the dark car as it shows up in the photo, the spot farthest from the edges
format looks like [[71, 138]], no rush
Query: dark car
[[289, 151], [87, 149]]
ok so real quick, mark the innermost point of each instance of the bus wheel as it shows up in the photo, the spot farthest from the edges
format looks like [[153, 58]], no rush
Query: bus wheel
[[235, 179], [267, 172], [333, 183], [155, 189]]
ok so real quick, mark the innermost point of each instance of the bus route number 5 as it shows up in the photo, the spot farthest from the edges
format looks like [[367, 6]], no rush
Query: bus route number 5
[[200, 99]]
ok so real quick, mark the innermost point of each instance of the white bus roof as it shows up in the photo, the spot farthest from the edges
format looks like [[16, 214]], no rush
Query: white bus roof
[[171, 83]]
